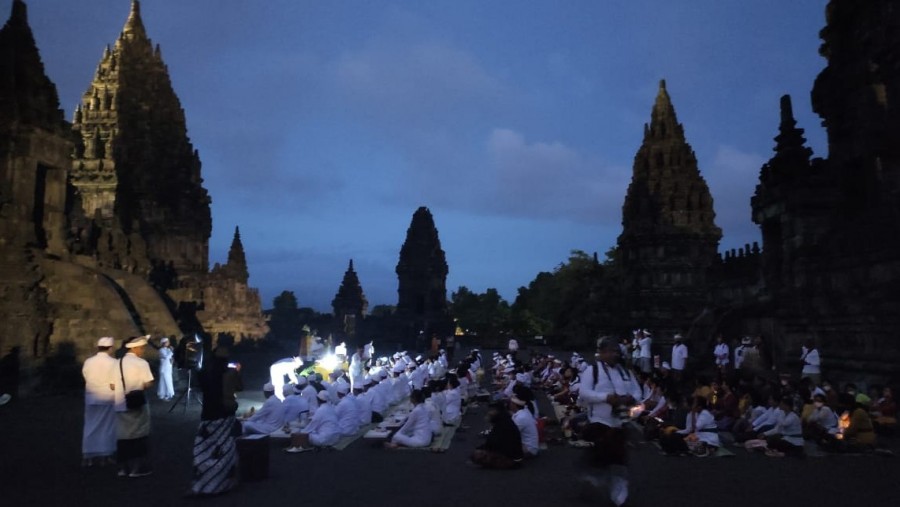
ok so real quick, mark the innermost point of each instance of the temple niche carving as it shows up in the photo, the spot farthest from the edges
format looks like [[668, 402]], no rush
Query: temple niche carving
[[422, 275], [349, 304], [105, 223], [669, 239]]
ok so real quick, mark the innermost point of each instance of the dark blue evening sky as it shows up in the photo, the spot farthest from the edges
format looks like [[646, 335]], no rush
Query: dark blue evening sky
[[323, 125]]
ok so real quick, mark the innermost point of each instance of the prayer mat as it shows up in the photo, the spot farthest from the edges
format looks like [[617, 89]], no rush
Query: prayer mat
[[345, 441]]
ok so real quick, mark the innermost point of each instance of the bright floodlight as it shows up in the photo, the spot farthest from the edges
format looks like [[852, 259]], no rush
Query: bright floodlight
[[329, 362]]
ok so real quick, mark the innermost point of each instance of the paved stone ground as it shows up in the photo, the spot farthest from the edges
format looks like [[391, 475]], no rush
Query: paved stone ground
[[40, 441]]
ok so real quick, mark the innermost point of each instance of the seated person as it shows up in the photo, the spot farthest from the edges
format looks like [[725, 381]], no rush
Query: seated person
[[884, 412], [416, 431], [323, 429], [821, 423], [269, 418], [527, 424], [347, 410], [295, 406], [859, 435], [503, 447], [787, 435], [451, 409], [700, 435]]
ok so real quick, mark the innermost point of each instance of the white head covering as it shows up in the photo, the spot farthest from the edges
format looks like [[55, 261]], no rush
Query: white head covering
[[665, 365], [106, 341], [136, 342], [342, 388], [287, 390], [268, 387], [164, 341], [517, 401], [302, 380], [323, 395]]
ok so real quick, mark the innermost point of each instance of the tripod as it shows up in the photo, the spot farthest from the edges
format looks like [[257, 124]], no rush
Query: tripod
[[186, 394]]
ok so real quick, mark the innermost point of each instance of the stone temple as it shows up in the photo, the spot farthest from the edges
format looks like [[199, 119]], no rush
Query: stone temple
[[104, 222], [349, 305], [422, 273], [829, 265]]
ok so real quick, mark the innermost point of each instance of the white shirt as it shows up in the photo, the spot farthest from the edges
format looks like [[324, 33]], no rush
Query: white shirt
[[294, 405], [739, 356], [789, 427], [705, 427], [645, 343], [679, 356], [283, 367], [528, 430], [418, 424], [348, 416], [811, 361], [721, 353], [452, 405], [612, 380], [136, 372], [97, 372], [270, 416]]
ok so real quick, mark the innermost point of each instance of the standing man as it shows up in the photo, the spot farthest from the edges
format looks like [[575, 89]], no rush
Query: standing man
[[133, 424], [811, 363], [722, 354], [287, 366], [357, 367], [609, 391], [679, 359], [98, 442], [646, 357]]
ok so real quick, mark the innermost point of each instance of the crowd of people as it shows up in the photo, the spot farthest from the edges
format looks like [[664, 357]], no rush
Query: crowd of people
[[734, 399]]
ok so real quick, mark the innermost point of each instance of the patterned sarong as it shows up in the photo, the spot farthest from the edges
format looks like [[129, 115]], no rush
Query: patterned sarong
[[215, 457]]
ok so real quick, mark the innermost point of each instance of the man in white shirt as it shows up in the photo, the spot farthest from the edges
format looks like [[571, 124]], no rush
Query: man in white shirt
[[739, 352], [347, 411], [98, 442], [287, 366], [269, 418], [646, 357], [132, 424], [608, 390], [357, 367], [679, 358], [811, 363]]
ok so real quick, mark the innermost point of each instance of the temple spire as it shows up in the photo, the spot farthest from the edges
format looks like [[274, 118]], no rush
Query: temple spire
[[663, 121], [237, 261], [134, 26], [790, 143], [349, 304]]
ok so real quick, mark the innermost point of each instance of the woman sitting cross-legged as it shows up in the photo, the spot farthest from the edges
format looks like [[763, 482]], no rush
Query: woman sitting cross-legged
[[787, 435], [416, 431], [700, 436]]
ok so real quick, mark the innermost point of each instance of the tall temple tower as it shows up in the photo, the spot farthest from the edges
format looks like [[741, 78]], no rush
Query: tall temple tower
[[669, 238], [349, 303], [422, 273], [136, 164], [34, 157], [831, 227]]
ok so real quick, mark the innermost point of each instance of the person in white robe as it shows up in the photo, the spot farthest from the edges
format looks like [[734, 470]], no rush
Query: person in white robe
[[269, 418], [527, 424], [346, 411], [416, 431], [287, 366], [98, 442], [296, 407], [323, 429], [308, 393], [363, 404], [357, 366], [166, 390], [451, 409]]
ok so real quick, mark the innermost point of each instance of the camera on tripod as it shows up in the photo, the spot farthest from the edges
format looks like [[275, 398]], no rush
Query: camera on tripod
[[189, 355]]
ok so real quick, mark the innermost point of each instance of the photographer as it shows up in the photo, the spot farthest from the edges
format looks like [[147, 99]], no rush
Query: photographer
[[215, 452], [609, 390]]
